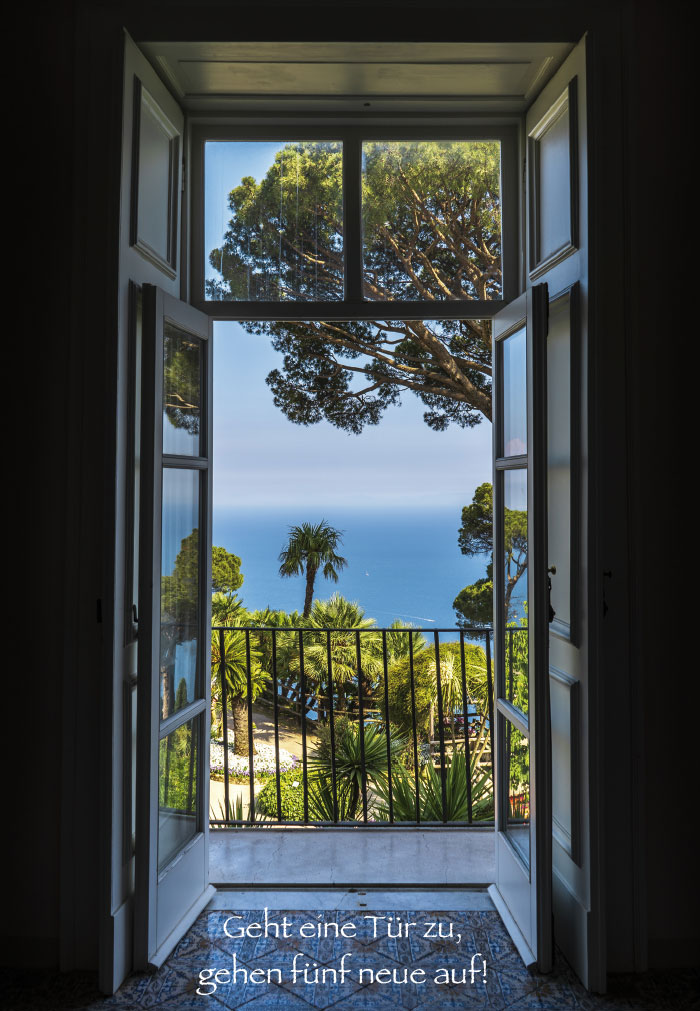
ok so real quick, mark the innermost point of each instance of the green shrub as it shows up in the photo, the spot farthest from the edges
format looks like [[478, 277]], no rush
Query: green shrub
[[456, 800], [291, 792]]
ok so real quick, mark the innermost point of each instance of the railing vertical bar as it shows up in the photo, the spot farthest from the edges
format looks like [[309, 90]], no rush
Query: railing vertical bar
[[224, 720], [302, 703], [251, 756], [489, 689], [360, 701], [443, 770], [334, 784], [465, 713], [387, 729], [415, 728], [275, 703]]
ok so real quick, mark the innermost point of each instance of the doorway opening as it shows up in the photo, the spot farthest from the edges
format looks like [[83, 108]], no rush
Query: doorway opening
[[372, 709]]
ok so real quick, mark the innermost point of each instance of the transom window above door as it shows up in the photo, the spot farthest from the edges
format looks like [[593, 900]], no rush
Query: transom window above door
[[423, 221]]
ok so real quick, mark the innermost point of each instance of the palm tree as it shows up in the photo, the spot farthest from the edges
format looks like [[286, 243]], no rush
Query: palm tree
[[349, 616], [229, 648], [310, 547]]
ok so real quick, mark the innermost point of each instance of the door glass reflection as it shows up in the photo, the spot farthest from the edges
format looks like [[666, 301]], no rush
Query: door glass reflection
[[514, 351], [177, 790], [182, 392], [179, 598], [515, 645], [517, 749]]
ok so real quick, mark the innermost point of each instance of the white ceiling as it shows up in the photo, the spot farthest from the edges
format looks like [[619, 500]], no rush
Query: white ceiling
[[445, 76]]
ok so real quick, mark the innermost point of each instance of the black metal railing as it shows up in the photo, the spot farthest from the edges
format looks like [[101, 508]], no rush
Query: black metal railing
[[363, 726]]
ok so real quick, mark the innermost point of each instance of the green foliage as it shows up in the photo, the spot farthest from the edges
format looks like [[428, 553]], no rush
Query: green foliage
[[476, 532], [179, 592], [181, 380], [337, 612], [292, 794], [228, 609], [181, 699], [226, 576], [432, 230], [311, 546], [233, 811], [474, 604], [180, 589], [234, 657], [177, 777], [430, 792], [425, 684], [350, 743]]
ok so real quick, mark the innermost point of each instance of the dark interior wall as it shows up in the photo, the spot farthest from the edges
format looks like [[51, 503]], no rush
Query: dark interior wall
[[662, 238], [64, 340], [38, 226]]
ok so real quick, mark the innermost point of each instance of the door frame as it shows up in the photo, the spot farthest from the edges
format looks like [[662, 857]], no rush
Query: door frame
[[607, 442]]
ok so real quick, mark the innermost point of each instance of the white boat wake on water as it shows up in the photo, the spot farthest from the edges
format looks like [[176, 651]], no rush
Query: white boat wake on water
[[398, 614]]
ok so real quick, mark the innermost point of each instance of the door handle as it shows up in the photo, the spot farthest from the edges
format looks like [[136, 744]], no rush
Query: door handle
[[553, 570]]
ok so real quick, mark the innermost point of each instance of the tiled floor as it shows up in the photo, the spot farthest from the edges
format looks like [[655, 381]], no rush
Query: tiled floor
[[503, 984]]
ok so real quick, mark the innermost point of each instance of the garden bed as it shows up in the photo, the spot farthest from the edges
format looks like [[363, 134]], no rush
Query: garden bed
[[264, 764]]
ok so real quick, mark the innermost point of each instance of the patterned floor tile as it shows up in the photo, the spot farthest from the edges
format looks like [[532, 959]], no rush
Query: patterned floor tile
[[508, 987], [365, 999], [274, 1000], [147, 990]]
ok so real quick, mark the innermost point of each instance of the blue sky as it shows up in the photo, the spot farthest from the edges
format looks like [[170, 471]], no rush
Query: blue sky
[[261, 460]]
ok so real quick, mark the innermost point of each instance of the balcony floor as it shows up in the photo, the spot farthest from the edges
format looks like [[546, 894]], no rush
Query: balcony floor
[[346, 857]]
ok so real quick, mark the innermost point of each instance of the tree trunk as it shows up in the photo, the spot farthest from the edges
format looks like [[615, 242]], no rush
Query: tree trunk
[[239, 711], [309, 599]]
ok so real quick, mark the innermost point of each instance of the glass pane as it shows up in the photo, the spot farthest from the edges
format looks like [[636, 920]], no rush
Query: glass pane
[[179, 590], [514, 351], [515, 661], [517, 750], [273, 220], [182, 390], [177, 790], [559, 457], [431, 219]]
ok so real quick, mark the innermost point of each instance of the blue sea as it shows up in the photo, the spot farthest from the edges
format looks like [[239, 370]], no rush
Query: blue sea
[[401, 564]]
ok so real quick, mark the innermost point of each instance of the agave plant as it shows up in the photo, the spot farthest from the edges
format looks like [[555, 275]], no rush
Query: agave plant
[[355, 750], [403, 793]]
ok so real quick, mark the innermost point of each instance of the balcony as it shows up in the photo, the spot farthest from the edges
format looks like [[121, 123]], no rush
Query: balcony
[[373, 727]]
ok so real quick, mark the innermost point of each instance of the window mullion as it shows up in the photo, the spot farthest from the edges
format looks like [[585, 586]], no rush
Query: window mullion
[[352, 217]]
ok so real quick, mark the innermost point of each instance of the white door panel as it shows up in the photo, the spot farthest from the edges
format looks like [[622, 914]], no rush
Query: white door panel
[[172, 857], [523, 775], [557, 212]]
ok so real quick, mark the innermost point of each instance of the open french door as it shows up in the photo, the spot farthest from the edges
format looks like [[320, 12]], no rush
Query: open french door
[[172, 858], [522, 891]]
